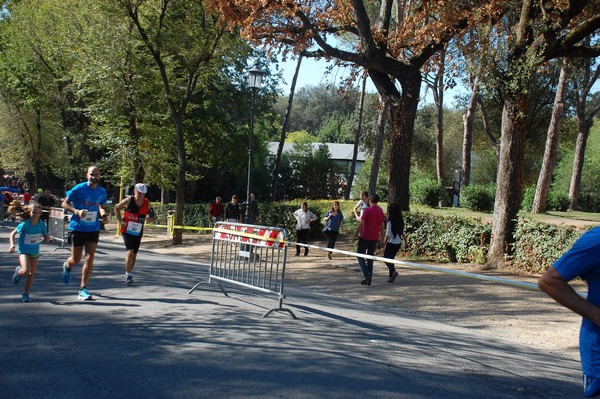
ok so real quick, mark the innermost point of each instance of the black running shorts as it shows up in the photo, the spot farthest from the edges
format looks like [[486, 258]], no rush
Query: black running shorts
[[79, 238], [132, 243]]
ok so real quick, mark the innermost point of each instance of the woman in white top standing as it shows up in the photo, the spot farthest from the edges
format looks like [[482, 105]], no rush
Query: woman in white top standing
[[394, 232], [303, 217]]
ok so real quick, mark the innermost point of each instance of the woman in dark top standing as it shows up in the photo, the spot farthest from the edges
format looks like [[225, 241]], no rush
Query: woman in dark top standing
[[394, 232], [333, 219], [232, 210]]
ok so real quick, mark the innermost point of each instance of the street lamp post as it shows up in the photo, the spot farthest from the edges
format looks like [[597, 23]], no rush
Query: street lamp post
[[254, 81]]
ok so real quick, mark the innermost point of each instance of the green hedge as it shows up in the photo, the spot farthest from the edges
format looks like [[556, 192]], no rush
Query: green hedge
[[448, 238], [538, 245], [272, 214], [427, 191], [478, 198]]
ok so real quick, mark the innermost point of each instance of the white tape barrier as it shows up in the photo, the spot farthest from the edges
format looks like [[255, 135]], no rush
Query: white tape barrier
[[500, 280]]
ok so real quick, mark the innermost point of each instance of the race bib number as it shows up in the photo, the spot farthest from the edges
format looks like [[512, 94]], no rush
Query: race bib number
[[134, 228], [90, 217], [32, 239]]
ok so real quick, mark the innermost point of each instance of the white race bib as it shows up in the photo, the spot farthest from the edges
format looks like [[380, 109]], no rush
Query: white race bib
[[134, 228], [90, 217], [32, 239]]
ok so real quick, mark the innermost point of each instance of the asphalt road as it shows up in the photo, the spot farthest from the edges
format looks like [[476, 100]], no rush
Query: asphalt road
[[154, 340]]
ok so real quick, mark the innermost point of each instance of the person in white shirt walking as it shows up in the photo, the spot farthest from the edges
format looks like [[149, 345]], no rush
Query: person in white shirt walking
[[303, 217]]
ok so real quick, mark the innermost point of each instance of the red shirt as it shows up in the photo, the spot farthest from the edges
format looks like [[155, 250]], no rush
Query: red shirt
[[216, 209], [373, 218]]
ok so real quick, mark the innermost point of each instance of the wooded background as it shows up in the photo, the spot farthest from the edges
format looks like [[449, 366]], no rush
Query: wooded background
[[156, 91]]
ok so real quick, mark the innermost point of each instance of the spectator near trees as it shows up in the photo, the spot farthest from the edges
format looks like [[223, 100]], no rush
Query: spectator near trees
[[216, 211]]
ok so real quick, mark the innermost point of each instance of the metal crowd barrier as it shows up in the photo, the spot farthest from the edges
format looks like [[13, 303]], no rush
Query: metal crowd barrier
[[58, 228], [249, 256]]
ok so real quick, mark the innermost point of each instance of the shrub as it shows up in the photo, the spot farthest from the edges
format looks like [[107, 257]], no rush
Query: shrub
[[538, 245], [588, 202], [478, 197], [426, 191], [447, 237], [193, 214], [528, 196], [558, 202]]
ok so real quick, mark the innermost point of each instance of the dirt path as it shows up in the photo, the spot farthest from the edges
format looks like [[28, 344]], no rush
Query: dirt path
[[523, 316]]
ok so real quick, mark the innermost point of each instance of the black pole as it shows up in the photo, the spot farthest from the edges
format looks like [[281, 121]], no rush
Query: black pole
[[250, 147]]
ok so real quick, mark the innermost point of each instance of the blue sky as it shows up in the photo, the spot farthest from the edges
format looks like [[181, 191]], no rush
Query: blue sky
[[312, 73]]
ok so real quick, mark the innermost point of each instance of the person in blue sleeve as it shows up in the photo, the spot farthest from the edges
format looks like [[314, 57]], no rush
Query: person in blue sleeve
[[582, 261], [31, 232], [86, 201]]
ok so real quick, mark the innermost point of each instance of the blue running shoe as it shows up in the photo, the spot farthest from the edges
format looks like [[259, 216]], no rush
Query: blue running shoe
[[26, 298], [84, 295], [17, 277], [129, 279], [66, 276]]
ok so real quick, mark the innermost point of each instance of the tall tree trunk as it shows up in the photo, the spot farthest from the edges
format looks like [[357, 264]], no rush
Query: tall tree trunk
[[284, 129], [376, 160], [545, 178], [468, 119], [578, 160], [509, 183], [438, 97], [403, 111], [584, 123], [181, 168], [356, 139]]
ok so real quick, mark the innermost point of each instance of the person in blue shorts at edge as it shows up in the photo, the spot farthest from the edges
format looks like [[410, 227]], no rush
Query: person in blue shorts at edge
[[86, 201], [31, 232], [582, 261]]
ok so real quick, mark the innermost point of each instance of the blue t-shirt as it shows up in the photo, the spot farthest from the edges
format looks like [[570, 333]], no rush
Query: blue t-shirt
[[583, 261], [30, 237], [335, 221], [82, 196]]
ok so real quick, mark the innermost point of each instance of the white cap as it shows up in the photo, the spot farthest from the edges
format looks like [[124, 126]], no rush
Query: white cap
[[141, 188]]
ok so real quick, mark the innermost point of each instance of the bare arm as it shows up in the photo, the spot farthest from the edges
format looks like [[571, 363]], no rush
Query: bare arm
[[66, 204], [553, 284], [11, 240], [119, 207], [103, 213], [359, 228]]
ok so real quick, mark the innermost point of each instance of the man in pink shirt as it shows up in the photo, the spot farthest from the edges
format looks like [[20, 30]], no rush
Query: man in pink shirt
[[371, 229]]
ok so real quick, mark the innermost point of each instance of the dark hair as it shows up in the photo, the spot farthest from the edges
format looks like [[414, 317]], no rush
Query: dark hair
[[395, 216], [374, 198], [338, 204]]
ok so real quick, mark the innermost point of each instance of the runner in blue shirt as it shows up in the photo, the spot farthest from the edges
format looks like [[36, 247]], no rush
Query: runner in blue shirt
[[86, 201], [31, 233], [581, 261]]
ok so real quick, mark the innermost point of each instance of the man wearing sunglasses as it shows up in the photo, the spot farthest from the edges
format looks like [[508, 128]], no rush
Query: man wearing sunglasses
[[86, 201]]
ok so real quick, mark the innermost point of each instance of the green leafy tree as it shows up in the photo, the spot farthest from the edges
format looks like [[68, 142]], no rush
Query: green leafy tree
[[187, 44], [512, 50]]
